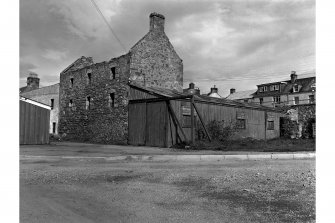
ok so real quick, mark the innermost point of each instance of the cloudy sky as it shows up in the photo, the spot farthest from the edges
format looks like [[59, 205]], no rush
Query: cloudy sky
[[232, 44]]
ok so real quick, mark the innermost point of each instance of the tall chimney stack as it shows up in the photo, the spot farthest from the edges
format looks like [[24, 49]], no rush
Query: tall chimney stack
[[214, 89], [156, 22], [33, 82]]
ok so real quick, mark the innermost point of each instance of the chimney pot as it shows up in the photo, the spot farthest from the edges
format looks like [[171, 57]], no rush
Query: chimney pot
[[232, 90], [293, 76]]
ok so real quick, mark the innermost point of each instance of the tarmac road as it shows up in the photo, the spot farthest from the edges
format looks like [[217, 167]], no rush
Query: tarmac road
[[92, 190]]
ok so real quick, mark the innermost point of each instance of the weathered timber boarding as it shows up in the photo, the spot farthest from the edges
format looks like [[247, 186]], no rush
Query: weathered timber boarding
[[34, 124], [166, 117]]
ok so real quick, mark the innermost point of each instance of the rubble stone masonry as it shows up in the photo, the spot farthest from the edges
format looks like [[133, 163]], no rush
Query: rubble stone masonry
[[104, 86]]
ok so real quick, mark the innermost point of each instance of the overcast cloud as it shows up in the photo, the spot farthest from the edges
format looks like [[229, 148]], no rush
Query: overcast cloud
[[251, 42]]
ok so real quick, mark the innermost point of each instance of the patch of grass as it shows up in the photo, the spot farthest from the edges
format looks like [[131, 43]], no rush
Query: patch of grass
[[249, 144]]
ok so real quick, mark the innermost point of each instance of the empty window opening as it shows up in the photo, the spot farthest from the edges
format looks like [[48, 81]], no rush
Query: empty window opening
[[112, 100], [71, 103], [311, 99], [54, 127], [52, 104], [271, 125], [71, 82], [113, 73], [89, 78], [88, 103]]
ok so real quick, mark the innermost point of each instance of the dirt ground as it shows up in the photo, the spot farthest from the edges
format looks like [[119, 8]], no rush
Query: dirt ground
[[91, 190]]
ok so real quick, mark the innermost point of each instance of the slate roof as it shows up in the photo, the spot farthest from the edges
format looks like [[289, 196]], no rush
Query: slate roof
[[241, 95], [305, 83]]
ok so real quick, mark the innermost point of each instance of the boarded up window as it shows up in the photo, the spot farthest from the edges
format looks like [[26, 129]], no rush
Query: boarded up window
[[271, 125], [186, 121], [240, 120]]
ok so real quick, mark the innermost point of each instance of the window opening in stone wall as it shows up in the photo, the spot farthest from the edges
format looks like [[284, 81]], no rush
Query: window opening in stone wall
[[311, 99], [71, 103], [271, 125], [112, 100], [89, 78], [296, 100], [71, 82], [52, 104], [240, 123], [88, 103], [54, 127], [113, 72]]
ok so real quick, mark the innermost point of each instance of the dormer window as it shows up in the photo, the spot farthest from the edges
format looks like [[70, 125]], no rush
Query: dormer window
[[277, 87], [296, 88], [261, 89], [272, 88], [265, 88]]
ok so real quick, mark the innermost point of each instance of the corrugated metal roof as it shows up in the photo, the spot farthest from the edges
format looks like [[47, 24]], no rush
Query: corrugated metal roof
[[241, 95], [167, 93]]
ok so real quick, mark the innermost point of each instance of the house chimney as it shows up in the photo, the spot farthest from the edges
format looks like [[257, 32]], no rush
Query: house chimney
[[214, 89], [232, 90], [293, 77], [191, 86], [33, 82], [156, 22]]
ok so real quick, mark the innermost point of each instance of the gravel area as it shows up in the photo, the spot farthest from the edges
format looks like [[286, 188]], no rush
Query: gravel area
[[62, 190]]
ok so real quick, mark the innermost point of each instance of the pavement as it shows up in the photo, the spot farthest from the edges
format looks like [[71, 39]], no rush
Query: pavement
[[71, 150]]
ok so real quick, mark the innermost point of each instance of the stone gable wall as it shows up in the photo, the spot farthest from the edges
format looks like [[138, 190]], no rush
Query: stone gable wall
[[154, 62]]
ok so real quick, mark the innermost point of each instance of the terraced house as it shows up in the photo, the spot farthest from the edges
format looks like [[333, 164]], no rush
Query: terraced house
[[290, 92]]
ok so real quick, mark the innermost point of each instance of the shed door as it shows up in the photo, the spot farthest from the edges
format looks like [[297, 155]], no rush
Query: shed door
[[137, 123], [156, 124]]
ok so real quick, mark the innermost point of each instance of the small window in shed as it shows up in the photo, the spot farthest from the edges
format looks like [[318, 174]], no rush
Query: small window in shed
[[52, 104], [112, 100], [113, 73], [271, 125], [186, 121], [88, 103], [71, 82], [240, 123], [89, 78], [54, 127]]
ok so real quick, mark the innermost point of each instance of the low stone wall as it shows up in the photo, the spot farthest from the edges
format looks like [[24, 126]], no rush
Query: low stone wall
[[299, 121]]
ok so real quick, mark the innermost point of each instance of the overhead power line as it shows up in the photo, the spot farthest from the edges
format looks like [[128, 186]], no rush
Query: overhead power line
[[111, 29]]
